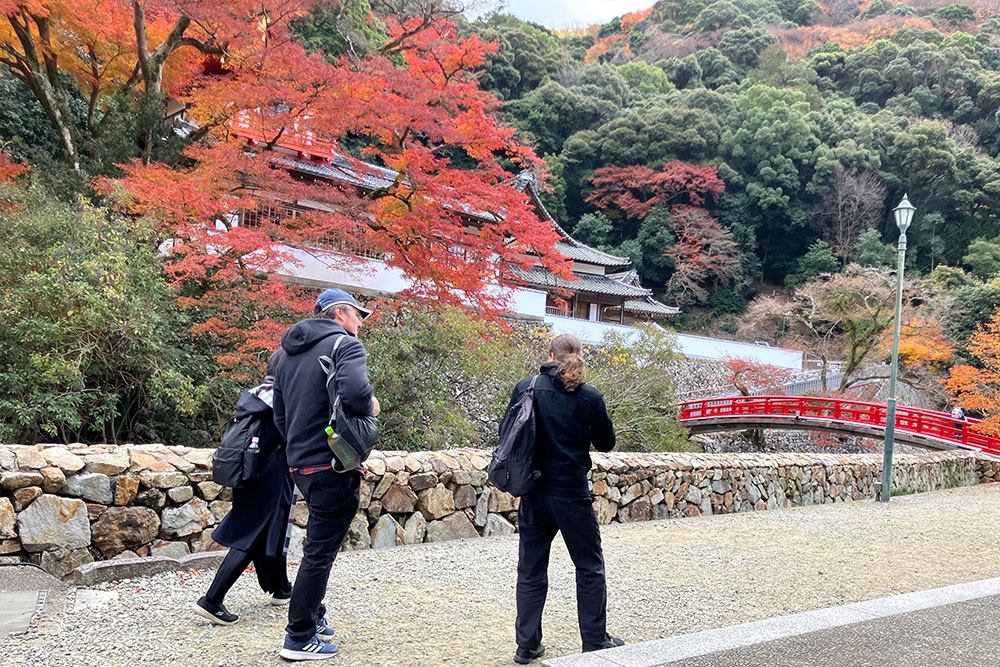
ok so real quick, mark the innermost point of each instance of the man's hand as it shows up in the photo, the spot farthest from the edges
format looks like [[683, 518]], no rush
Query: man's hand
[[376, 408]]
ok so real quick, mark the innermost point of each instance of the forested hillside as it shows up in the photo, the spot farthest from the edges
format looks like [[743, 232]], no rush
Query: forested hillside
[[817, 118]]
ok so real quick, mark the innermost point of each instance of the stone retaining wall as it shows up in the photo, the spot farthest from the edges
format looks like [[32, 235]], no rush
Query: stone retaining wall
[[65, 506]]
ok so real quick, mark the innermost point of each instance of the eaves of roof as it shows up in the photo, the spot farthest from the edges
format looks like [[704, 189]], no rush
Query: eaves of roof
[[587, 283]]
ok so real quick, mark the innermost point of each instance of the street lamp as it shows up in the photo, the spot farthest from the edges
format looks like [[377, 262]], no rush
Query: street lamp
[[904, 216]]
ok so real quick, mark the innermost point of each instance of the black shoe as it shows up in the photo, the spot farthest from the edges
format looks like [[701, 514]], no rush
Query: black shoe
[[525, 655], [213, 613], [610, 642]]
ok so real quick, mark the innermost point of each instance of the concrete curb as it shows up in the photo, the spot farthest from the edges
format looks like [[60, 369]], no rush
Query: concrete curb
[[130, 568], [664, 651]]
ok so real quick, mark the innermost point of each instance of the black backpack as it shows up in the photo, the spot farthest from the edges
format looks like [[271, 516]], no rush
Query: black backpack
[[512, 466], [237, 461]]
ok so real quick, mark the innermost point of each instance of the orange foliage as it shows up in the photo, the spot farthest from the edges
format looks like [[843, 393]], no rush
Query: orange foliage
[[747, 374], [978, 389], [10, 170], [858, 35], [921, 344], [408, 110], [601, 47], [629, 20]]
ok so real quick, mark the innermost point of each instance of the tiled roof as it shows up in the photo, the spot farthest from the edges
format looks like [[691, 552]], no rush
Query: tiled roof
[[586, 283], [651, 307], [569, 247]]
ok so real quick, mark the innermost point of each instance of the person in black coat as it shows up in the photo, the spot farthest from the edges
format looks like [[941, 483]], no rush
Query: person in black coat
[[570, 416], [255, 528]]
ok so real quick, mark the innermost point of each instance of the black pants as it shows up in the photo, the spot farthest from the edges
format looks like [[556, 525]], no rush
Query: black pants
[[271, 572], [333, 499], [542, 515]]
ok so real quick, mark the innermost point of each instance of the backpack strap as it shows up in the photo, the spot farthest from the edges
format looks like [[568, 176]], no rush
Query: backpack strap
[[329, 367]]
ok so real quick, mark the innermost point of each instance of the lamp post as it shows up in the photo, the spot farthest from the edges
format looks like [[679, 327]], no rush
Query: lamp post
[[904, 216]]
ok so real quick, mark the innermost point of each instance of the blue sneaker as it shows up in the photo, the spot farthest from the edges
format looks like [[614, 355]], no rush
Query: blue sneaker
[[313, 649], [324, 631]]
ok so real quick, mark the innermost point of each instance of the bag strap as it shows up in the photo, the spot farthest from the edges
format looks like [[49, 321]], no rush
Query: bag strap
[[329, 367]]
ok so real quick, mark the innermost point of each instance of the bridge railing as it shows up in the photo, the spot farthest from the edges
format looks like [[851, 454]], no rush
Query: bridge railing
[[930, 423]]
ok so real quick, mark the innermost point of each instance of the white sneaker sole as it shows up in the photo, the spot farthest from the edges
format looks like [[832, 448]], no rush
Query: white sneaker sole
[[291, 654], [278, 602], [211, 618]]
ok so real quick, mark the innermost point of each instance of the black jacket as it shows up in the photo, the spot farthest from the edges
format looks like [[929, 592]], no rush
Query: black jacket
[[301, 402], [567, 423], [263, 504]]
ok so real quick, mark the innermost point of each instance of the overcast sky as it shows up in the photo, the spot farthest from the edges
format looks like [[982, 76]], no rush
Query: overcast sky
[[565, 13]]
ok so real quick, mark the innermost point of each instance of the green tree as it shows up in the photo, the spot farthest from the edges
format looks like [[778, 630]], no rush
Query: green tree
[[871, 251], [340, 28], [956, 14], [94, 345], [983, 258], [818, 259], [719, 15]]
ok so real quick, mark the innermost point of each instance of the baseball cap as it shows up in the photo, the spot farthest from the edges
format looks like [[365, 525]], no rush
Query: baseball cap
[[336, 297]]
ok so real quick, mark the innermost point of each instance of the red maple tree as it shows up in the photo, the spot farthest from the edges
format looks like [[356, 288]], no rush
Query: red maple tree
[[442, 209], [747, 374], [636, 189], [705, 254]]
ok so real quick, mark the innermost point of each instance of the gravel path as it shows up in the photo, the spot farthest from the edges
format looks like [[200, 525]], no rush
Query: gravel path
[[453, 603]]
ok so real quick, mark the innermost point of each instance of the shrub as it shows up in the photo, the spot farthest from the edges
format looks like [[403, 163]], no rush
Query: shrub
[[90, 345], [639, 390]]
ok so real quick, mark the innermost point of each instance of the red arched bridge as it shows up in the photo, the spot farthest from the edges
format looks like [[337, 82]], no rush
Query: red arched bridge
[[922, 428]]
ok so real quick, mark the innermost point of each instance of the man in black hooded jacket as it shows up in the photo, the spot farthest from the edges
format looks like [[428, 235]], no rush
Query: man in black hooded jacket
[[302, 403]]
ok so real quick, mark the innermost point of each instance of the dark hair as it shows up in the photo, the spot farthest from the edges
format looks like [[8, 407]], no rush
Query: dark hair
[[272, 363], [569, 353]]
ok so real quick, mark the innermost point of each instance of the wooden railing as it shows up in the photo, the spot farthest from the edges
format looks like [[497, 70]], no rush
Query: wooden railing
[[929, 423]]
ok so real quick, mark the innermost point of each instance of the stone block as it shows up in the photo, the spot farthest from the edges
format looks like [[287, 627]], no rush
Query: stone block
[[180, 494], [23, 497], [95, 510], [204, 542], [301, 517], [121, 528], [200, 457], [91, 486], [483, 507], [415, 529], [60, 562], [501, 501], [497, 525], [399, 499], [435, 502], [51, 521], [153, 498], [29, 458], [19, 479], [386, 533], [53, 479], [143, 461], [8, 547], [453, 527], [209, 490], [8, 519], [169, 549], [106, 464], [465, 496], [60, 457], [423, 481], [357, 534], [605, 510], [162, 480], [7, 459], [219, 509], [126, 488], [191, 517], [384, 484]]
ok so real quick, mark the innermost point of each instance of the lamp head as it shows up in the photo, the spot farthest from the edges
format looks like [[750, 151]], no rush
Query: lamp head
[[904, 214]]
